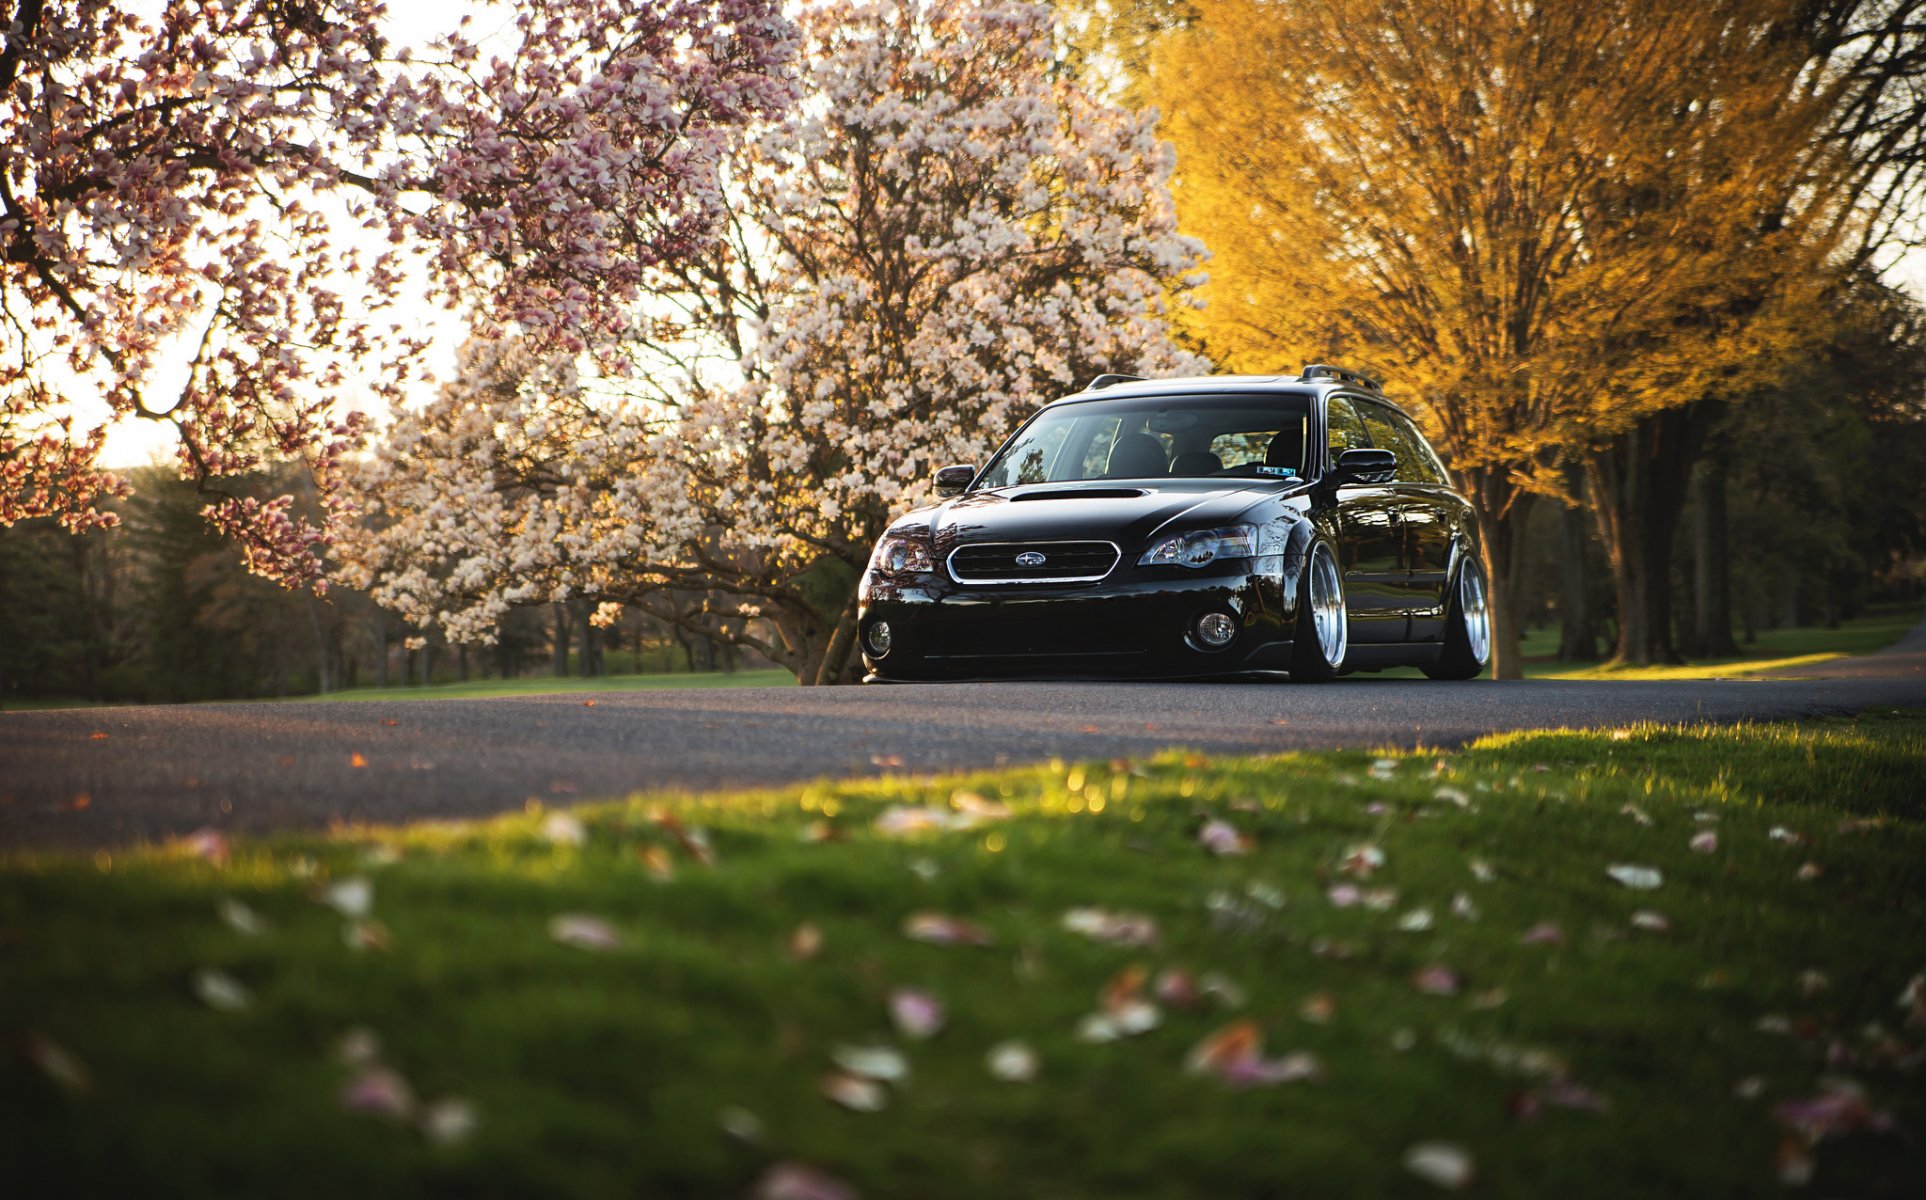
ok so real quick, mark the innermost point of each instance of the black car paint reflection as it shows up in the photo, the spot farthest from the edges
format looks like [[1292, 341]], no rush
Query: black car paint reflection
[[1400, 543]]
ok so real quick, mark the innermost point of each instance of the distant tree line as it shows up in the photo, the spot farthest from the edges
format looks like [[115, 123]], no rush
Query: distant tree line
[[161, 608]]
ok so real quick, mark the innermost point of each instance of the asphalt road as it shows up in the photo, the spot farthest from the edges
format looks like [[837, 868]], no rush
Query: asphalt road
[[107, 776]]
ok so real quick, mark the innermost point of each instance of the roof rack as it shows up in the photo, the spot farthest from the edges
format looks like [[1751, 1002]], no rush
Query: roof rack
[[1313, 371], [1103, 381]]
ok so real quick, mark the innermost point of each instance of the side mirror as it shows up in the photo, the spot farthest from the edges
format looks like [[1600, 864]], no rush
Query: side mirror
[[1367, 466], [950, 481]]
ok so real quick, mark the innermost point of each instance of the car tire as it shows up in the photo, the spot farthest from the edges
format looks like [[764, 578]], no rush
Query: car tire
[[1323, 621], [1467, 643]]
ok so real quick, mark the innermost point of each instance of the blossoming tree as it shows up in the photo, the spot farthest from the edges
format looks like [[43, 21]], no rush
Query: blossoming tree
[[945, 233], [178, 184]]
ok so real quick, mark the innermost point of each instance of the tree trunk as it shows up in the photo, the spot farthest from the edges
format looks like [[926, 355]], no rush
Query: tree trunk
[[591, 642], [1501, 508], [1639, 482], [1711, 562], [1577, 615], [838, 661], [559, 612]]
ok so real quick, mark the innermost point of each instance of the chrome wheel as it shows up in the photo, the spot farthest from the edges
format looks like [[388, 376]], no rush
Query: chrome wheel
[[1327, 607], [1476, 611]]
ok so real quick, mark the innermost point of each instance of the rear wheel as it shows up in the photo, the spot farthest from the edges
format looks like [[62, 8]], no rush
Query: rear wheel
[[1467, 646], [1323, 624]]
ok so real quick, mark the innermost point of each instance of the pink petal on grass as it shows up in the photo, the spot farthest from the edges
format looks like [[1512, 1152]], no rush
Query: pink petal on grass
[[208, 843], [917, 1014], [793, 1181], [1840, 1109], [1438, 981], [1344, 895], [1176, 988], [1222, 839], [1545, 933], [1441, 1164], [854, 1093], [1112, 928], [1651, 922], [379, 1092], [940, 930], [584, 932], [1362, 860], [1706, 842]]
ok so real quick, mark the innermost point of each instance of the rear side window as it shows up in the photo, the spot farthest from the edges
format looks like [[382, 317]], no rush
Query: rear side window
[[1394, 432], [1346, 431]]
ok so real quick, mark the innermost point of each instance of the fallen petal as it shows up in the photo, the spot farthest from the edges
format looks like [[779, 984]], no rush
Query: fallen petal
[[449, 1122], [240, 918], [1318, 1008], [221, 991], [806, 941], [1362, 860], [378, 1092], [563, 829], [1442, 1164], [885, 1064], [917, 1014], [1651, 922], [1113, 928], [1221, 838], [207, 843], [1463, 907], [58, 1064], [359, 1047], [366, 935], [1706, 842], [793, 1181], [1176, 988], [1416, 921], [901, 821], [1438, 981], [352, 898], [1344, 895], [940, 930], [584, 932], [1452, 795], [1545, 933], [1638, 878], [1012, 1062], [855, 1094]]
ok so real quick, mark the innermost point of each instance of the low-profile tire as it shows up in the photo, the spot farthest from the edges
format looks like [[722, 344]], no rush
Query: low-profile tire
[[1467, 642], [1323, 622]]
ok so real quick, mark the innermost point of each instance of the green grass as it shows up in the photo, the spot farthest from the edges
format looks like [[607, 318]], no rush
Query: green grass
[[606, 1074], [548, 685], [1785, 649]]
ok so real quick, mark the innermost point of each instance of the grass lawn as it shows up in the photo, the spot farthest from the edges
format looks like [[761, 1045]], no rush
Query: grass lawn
[[193, 1020], [1785, 649]]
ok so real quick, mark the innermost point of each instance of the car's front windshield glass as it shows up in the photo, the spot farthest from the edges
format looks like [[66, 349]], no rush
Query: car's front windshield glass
[[1151, 437]]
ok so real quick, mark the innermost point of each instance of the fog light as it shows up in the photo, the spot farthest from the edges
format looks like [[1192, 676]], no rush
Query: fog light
[[1216, 629], [878, 638]]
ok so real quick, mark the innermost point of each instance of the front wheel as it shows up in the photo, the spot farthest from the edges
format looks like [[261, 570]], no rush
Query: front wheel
[[1467, 645], [1323, 624]]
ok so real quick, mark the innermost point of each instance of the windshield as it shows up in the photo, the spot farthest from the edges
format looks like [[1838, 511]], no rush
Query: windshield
[[1188, 437]]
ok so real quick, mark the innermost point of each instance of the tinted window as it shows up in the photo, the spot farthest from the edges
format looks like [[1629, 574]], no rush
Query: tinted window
[[1248, 436], [1392, 431], [1347, 432]]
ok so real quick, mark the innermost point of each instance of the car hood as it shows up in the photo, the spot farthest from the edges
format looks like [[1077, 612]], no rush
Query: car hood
[[1126, 513]]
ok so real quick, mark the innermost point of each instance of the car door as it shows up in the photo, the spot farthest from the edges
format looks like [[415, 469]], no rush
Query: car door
[[1370, 537], [1427, 508]]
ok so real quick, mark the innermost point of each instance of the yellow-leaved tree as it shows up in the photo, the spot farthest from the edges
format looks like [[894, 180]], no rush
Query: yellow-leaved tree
[[1540, 223]]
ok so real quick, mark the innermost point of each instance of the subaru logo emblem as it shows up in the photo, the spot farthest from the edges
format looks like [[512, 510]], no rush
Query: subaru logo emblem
[[1030, 558]]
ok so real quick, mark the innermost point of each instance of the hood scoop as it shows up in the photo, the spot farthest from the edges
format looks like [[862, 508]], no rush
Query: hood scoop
[[1082, 494]]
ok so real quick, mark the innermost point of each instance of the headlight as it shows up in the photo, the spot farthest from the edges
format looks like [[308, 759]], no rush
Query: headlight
[[899, 552], [1203, 546]]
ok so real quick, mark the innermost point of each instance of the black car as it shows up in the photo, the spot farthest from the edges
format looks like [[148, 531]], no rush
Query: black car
[[1188, 527]]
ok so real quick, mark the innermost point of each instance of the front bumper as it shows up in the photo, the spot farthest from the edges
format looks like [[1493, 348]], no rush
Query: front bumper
[[1136, 623]]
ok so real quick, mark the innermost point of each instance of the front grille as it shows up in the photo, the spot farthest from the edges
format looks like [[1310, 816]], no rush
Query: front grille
[[1063, 562]]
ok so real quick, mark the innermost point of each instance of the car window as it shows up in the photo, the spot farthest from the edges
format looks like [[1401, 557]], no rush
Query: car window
[[1427, 466], [1346, 431], [1391, 431], [1251, 436]]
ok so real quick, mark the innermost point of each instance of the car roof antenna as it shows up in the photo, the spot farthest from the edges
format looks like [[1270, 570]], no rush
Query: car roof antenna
[[1103, 381]]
